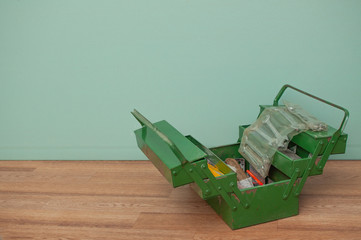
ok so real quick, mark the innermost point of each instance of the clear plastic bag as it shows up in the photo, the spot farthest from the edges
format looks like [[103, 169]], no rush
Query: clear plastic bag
[[312, 122], [273, 130]]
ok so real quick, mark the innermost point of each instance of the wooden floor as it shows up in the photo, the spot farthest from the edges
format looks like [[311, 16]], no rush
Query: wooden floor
[[131, 200]]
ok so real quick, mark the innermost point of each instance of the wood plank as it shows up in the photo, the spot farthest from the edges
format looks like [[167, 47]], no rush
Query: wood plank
[[122, 204], [17, 169], [246, 233], [190, 221], [37, 232], [86, 189], [75, 217]]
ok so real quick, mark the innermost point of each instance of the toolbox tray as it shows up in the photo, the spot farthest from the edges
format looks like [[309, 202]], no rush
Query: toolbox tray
[[183, 160], [306, 145]]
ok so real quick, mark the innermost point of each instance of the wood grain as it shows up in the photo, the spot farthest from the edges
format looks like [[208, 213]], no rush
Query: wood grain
[[131, 200]]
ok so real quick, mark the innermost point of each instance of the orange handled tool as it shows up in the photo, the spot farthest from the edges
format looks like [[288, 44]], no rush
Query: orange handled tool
[[254, 177]]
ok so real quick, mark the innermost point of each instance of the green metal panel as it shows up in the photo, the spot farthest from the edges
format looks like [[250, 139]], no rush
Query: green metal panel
[[287, 165], [258, 204], [308, 140], [176, 142], [276, 175], [159, 155], [265, 204], [162, 156], [190, 151], [157, 145]]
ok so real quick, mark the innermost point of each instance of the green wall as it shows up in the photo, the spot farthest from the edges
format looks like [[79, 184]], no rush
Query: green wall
[[71, 71]]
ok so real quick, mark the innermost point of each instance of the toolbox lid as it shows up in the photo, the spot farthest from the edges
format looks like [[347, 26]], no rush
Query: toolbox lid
[[168, 145]]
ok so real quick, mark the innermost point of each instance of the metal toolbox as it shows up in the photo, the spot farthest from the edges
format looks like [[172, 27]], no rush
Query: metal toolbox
[[183, 160]]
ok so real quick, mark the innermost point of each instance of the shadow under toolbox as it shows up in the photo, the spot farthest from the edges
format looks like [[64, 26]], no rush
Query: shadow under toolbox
[[183, 160]]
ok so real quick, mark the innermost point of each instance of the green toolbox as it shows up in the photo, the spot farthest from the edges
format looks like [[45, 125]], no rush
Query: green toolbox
[[183, 160]]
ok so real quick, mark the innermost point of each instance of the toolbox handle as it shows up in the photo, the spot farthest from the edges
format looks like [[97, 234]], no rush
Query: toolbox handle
[[346, 113], [145, 122]]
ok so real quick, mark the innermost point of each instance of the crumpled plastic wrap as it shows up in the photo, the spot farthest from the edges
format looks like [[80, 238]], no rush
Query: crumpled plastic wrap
[[312, 122], [273, 130]]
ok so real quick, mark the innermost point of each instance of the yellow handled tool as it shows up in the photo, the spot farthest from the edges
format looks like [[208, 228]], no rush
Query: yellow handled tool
[[215, 171]]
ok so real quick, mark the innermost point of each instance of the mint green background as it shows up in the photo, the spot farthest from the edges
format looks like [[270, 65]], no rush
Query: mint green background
[[71, 71]]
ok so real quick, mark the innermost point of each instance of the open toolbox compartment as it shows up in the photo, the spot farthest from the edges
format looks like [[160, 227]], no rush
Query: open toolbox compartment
[[183, 160]]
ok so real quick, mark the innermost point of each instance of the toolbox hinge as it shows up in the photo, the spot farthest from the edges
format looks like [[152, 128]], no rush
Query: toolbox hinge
[[330, 146], [213, 185], [291, 184], [308, 169]]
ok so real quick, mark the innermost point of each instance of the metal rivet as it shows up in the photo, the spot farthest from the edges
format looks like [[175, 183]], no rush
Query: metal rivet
[[203, 166], [190, 170], [333, 142], [246, 205], [234, 208], [219, 188], [309, 169], [231, 184], [208, 192], [297, 170], [174, 173]]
